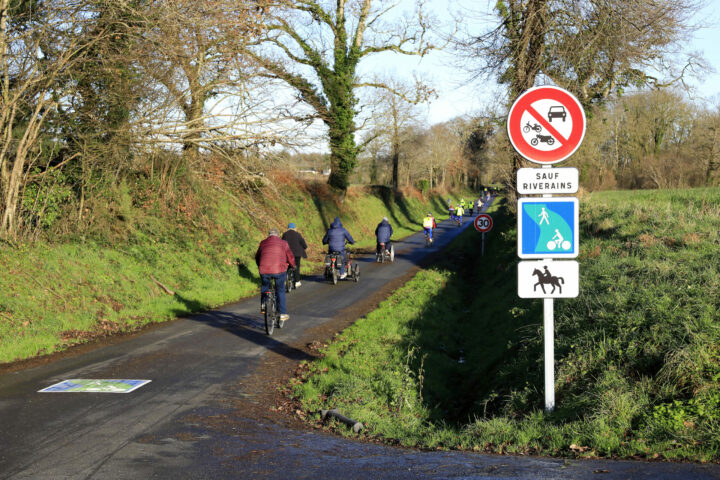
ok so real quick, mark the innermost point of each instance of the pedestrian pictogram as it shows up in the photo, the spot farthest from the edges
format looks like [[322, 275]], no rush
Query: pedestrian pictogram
[[546, 124], [548, 227], [483, 223], [548, 279]]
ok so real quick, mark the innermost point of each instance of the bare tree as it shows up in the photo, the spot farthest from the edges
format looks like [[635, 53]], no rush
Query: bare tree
[[594, 48], [394, 111], [192, 50], [315, 47], [38, 47]]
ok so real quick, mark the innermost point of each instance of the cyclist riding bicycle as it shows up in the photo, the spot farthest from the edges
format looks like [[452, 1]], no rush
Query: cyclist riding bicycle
[[272, 258], [429, 225], [335, 239], [383, 232], [298, 247]]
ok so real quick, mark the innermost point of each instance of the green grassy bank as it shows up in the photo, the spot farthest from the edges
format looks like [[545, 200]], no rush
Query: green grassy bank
[[454, 358], [198, 244]]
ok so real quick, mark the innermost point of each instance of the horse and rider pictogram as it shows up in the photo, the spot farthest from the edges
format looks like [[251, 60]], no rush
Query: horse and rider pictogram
[[547, 278]]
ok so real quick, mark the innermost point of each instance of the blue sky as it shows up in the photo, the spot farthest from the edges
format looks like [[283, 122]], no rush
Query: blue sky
[[457, 97]]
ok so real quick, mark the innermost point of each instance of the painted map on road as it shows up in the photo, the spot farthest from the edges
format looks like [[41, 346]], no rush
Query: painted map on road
[[95, 386]]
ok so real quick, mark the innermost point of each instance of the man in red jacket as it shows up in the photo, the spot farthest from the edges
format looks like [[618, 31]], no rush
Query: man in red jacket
[[273, 257]]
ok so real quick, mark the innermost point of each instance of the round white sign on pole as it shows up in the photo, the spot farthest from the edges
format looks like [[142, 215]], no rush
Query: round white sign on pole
[[483, 223], [546, 124]]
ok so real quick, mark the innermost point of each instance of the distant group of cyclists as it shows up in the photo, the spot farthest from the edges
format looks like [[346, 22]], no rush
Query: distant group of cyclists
[[276, 252], [456, 212]]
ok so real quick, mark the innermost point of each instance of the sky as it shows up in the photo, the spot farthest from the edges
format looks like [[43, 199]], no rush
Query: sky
[[458, 97]]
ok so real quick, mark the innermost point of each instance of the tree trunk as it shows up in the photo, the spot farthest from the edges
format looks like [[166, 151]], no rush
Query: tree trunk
[[395, 169], [714, 160]]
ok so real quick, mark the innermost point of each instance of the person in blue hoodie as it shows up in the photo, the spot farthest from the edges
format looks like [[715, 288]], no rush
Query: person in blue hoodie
[[383, 232], [335, 240]]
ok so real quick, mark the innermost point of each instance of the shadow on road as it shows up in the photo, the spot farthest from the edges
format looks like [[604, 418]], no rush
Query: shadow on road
[[252, 328]]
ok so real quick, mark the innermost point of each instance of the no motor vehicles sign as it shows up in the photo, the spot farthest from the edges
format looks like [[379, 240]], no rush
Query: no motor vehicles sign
[[546, 124]]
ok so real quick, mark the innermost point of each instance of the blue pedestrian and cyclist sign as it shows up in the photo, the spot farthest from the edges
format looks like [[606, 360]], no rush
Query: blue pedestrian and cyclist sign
[[548, 227]]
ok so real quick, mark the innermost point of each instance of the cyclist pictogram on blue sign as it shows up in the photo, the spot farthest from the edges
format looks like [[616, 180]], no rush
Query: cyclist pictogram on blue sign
[[548, 227]]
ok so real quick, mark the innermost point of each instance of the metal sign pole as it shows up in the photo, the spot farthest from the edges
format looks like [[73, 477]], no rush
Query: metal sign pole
[[482, 249], [549, 341]]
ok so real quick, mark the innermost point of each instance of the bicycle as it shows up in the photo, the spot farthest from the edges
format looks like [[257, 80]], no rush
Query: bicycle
[[428, 240], [272, 316], [385, 253], [289, 279]]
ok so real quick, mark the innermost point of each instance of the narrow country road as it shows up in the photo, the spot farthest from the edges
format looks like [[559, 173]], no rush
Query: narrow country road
[[206, 414]]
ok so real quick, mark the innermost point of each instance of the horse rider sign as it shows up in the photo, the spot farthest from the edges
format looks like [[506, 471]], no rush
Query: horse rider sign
[[548, 279]]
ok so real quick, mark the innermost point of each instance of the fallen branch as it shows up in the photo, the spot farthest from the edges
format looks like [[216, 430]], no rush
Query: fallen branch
[[165, 289], [356, 426]]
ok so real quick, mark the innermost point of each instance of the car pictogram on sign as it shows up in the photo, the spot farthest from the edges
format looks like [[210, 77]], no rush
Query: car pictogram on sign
[[556, 111], [531, 128]]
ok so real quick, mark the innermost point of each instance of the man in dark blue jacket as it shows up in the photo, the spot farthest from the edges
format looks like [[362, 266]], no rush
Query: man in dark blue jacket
[[383, 232], [335, 240]]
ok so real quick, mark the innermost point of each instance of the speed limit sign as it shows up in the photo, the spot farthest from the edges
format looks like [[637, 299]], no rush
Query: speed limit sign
[[483, 223]]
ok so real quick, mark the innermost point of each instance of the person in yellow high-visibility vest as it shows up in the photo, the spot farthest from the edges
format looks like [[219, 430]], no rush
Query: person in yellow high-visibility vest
[[429, 225], [459, 212]]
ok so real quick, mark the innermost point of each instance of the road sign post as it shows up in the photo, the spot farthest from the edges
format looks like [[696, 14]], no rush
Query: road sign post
[[546, 125], [549, 348], [483, 224]]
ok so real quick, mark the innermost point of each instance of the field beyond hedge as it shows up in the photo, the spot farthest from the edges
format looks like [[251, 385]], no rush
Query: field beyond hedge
[[454, 358]]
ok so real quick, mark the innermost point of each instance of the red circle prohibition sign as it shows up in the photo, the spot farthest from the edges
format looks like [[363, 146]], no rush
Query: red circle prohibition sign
[[483, 223], [538, 107]]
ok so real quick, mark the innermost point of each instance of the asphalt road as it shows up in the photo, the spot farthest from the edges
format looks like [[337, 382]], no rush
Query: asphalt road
[[201, 416]]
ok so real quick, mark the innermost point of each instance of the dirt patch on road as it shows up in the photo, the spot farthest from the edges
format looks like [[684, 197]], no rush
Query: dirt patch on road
[[262, 394]]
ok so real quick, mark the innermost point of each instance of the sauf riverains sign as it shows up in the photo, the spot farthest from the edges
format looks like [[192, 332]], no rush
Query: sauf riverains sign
[[546, 125], [538, 181]]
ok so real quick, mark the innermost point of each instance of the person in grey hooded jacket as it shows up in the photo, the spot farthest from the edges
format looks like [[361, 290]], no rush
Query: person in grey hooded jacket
[[335, 239]]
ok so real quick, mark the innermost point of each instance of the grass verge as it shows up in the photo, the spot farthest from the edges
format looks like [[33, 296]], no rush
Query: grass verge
[[454, 358], [54, 295]]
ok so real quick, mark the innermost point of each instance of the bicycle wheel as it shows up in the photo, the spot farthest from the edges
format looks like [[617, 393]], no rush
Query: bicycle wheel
[[270, 313], [289, 280], [334, 276]]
